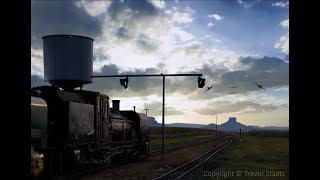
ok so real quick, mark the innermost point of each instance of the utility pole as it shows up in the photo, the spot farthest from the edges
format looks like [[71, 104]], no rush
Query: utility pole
[[147, 111], [124, 82], [216, 126], [162, 128], [240, 140]]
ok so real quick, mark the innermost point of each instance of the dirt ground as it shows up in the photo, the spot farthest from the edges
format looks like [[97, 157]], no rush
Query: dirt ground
[[153, 166]]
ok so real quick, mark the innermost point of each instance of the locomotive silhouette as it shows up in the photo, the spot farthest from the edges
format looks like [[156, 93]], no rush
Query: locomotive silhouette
[[72, 127]]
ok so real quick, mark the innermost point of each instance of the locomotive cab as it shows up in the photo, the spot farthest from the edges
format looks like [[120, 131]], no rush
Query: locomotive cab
[[66, 123]]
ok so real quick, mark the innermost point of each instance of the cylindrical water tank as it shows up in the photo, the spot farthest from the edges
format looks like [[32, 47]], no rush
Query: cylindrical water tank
[[68, 60]]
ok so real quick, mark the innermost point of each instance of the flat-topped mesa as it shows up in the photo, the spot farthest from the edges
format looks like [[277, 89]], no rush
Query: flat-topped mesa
[[68, 60], [232, 119]]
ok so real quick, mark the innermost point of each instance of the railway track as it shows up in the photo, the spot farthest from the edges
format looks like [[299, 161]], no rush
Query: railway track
[[191, 169], [90, 170], [182, 146]]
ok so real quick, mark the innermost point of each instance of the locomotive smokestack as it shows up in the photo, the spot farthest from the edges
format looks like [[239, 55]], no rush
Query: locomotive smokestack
[[116, 105]]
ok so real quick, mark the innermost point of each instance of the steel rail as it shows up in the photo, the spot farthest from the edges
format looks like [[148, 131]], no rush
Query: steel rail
[[184, 145], [171, 174], [202, 162]]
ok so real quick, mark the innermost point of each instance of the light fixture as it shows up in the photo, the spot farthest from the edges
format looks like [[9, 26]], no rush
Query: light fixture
[[124, 82], [201, 82]]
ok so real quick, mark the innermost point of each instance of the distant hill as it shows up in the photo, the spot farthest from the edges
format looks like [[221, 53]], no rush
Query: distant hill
[[233, 126], [210, 126], [269, 128], [154, 123], [185, 125]]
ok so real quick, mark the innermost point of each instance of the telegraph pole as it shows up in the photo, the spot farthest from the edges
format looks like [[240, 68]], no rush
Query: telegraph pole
[[147, 111], [216, 126], [163, 103], [124, 82]]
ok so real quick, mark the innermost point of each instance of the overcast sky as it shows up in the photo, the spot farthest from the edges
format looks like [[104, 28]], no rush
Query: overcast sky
[[233, 43]]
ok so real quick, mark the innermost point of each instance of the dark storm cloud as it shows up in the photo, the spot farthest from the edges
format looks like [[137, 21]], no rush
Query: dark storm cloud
[[193, 48], [100, 55], [269, 71], [60, 17], [142, 7], [138, 86], [220, 107], [123, 33], [146, 43]]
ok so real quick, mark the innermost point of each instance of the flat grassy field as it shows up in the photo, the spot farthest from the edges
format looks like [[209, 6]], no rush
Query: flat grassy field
[[175, 130], [260, 155], [156, 143], [177, 135]]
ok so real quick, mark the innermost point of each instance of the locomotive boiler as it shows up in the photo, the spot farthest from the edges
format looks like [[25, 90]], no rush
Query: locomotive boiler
[[72, 127]]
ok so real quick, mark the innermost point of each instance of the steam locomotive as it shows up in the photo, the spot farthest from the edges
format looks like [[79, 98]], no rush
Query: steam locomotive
[[74, 128]]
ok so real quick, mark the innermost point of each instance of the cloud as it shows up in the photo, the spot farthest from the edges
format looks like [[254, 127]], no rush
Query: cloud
[[156, 109], [184, 17], [158, 3], [210, 24], [144, 37], [100, 55], [181, 17], [270, 71], [285, 23], [146, 43], [137, 86], [60, 17], [141, 9], [221, 107], [123, 33], [37, 81], [248, 3], [215, 17], [189, 10], [36, 62], [283, 4], [94, 8], [283, 43]]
